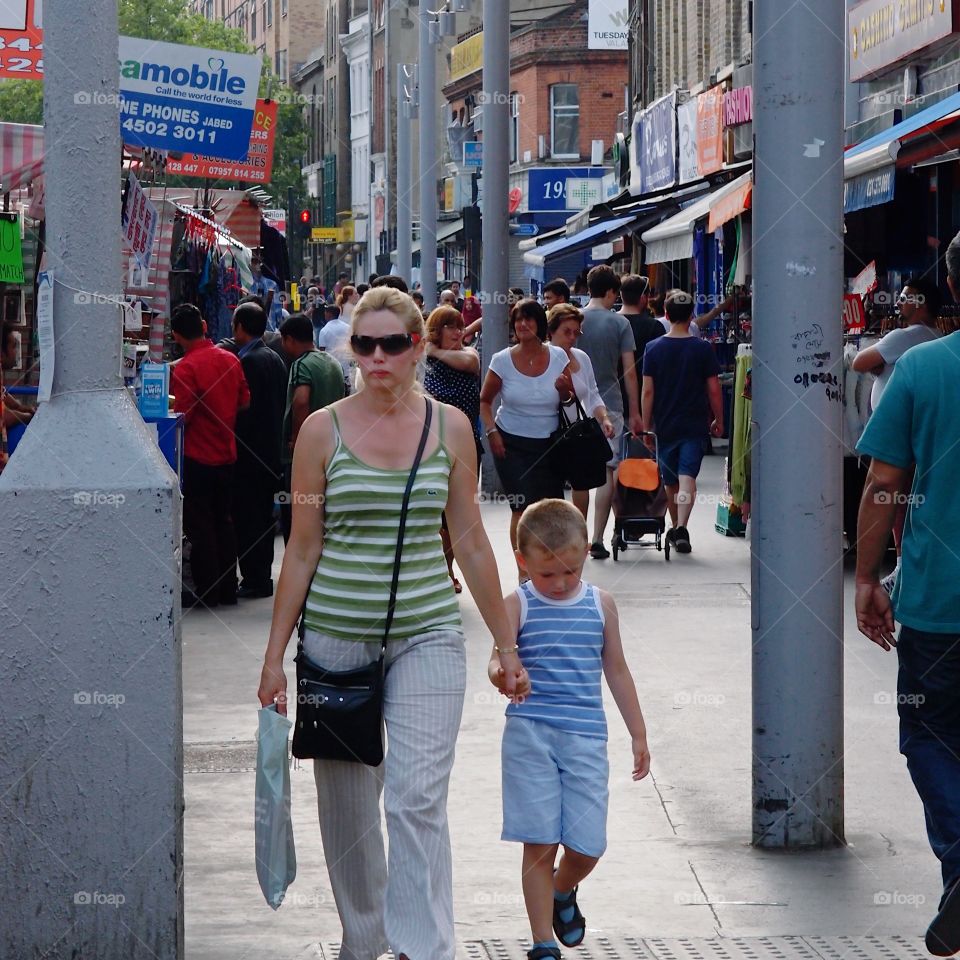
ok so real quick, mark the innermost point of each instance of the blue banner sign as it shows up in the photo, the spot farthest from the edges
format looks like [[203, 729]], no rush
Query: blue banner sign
[[658, 150], [187, 99], [869, 189], [547, 186]]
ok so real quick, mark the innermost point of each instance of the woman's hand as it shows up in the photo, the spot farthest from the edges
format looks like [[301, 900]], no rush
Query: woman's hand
[[564, 385], [606, 425], [273, 687], [497, 447]]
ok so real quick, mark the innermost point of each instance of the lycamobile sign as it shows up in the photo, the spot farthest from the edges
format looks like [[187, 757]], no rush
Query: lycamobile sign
[[187, 99]]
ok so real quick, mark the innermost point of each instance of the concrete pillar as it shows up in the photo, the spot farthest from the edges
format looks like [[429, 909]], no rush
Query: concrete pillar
[[429, 161], [404, 176], [797, 410], [494, 279], [91, 767]]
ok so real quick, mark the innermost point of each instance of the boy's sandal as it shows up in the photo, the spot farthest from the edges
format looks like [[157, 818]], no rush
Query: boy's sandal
[[543, 953], [569, 932]]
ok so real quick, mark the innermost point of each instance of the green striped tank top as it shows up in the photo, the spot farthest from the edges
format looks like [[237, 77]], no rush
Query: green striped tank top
[[350, 591]]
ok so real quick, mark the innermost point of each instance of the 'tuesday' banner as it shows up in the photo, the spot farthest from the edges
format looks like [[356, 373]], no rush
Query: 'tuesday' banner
[[179, 98], [256, 167]]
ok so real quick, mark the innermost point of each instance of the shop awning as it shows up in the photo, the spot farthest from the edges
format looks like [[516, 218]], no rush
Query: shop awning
[[673, 239], [730, 205], [445, 230], [594, 234], [883, 148], [21, 154]]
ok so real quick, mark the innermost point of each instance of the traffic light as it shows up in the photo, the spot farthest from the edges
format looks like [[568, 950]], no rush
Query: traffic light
[[305, 223]]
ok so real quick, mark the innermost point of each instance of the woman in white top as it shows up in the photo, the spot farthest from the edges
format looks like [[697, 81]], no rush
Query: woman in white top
[[564, 322], [529, 380]]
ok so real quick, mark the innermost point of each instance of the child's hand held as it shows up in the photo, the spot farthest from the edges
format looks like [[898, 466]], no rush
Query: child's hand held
[[641, 759]]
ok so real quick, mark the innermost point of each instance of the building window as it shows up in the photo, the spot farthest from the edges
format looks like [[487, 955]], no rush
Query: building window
[[283, 8], [514, 127], [282, 65], [253, 20], [564, 120], [268, 13]]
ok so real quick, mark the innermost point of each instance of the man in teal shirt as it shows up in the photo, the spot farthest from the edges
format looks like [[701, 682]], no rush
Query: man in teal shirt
[[915, 424]]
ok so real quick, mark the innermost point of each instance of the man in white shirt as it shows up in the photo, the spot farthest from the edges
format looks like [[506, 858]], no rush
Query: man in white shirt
[[334, 338], [918, 305]]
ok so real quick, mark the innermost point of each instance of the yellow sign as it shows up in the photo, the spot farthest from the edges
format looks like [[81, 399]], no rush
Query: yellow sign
[[448, 194], [466, 57], [346, 231], [325, 234], [295, 297]]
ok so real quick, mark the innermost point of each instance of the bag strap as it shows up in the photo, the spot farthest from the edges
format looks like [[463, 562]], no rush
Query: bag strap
[[391, 606], [565, 421]]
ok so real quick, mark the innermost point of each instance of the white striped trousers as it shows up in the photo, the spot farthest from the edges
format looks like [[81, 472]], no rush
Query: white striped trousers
[[405, 904]]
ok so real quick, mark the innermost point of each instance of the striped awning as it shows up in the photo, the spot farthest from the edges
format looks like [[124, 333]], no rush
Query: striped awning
[[21, 154]]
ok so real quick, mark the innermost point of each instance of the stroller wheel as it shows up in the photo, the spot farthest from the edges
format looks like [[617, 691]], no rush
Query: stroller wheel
[[616, 550], [666, 549]]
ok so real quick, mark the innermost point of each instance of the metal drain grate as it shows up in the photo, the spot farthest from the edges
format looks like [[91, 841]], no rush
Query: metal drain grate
[[231, 757], [599, 947], [868, 948]]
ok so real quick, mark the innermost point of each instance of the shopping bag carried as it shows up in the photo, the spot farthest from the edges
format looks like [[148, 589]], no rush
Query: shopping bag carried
[[276, 857]]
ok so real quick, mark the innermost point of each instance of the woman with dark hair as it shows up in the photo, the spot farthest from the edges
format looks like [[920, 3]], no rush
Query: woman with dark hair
[[530, 378], [452, 376]]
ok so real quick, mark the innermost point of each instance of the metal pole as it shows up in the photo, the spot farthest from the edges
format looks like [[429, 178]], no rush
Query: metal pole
[[404, 178], [797, 411], [91, 702], [495, 98], [428, 160]]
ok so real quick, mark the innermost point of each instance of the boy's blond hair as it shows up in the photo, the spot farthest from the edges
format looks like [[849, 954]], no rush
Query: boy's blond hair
[[550, 526]]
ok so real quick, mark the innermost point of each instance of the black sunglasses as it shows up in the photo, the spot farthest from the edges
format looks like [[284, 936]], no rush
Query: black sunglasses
[[393, 345]]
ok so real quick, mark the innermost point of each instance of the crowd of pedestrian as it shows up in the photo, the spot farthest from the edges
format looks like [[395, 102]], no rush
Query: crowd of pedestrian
[[332, 420]]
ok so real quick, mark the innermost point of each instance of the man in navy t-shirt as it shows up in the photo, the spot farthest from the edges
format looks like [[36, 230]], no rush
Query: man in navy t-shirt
[[681, 390]]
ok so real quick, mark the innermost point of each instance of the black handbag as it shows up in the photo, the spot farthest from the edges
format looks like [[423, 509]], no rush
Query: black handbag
[[340, 712], [579, 451]]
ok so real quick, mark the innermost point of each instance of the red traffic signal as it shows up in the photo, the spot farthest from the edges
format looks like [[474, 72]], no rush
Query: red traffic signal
[[305, 216]]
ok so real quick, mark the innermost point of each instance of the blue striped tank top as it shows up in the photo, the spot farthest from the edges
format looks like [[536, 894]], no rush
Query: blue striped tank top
[[350, 592], [561, 645]]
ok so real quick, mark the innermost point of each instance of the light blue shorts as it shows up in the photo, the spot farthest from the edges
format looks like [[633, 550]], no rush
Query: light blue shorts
[[554, 786]]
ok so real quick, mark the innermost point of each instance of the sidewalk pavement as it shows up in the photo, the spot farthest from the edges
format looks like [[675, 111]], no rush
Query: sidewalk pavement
[[680, 878]]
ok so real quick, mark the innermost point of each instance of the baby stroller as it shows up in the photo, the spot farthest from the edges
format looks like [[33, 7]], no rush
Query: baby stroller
[[639, 498]]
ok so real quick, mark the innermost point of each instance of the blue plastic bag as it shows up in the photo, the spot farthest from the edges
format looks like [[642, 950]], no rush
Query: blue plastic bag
[[276, 857]]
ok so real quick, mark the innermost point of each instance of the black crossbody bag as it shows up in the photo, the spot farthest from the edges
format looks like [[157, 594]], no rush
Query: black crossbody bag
[[340, 712], [580, 452]]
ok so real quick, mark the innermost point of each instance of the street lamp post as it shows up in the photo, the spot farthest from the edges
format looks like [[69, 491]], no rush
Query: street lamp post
[[428, 156], [404, 174]]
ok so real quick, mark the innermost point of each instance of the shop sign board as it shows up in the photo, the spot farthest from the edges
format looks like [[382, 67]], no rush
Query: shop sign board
[[710, 131], [325, 235], [607, 22], [854, 316], [255, 167], [21, 39], [178, 98], [882, 34], [547, 187], [466, 57], [658, 159], [277, 219], [602, 251], [687, 168], [11, 250], [869, 189], [866, 280], [473, 154], [738, 106], [139, 220]]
